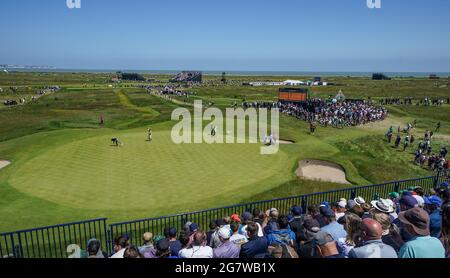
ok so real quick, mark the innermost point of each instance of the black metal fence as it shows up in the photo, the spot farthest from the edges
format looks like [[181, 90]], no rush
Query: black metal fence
[[56, 241], [52, 241]]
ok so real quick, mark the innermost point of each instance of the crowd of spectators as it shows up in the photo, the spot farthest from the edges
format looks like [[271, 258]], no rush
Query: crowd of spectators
[[407, 224], [409, 101], [335, 113]]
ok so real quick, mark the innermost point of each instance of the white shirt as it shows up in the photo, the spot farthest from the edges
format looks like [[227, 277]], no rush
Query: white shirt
[[196, 252], [238, 239], [260, 231], [119, 254]]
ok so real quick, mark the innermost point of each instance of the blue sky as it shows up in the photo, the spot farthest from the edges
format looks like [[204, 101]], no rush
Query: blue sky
[[297, 35]]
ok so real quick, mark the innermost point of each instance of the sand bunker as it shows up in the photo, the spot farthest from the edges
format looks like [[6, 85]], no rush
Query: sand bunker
[[285, 142], [4, 163], [321, 170]]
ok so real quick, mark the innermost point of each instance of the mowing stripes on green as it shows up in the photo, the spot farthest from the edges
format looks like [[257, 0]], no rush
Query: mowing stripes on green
[[93, 174]]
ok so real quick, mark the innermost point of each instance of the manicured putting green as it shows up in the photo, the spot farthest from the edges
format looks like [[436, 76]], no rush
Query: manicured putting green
[[93, 174]]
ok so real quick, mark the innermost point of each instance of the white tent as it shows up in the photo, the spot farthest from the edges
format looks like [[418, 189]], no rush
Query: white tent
[[340, 96], [294, 82]]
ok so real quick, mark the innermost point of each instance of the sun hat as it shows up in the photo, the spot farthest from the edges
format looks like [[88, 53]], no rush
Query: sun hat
[[383, 205], [418, 219], [224, 233], [360, 201]]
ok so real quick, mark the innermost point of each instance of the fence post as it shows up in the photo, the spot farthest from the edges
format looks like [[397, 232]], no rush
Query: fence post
[[109, 240], [304, 203], [396, 187], [353, 194], [436, 179]]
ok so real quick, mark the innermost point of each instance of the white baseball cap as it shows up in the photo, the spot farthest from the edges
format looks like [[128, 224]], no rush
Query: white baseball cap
[[224, 233]]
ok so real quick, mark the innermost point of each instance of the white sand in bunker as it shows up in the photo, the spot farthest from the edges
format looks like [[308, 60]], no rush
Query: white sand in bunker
[[285, 142], [321, 170], [4, 163]]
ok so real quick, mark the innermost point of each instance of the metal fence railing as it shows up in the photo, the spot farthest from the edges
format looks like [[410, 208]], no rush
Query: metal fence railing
[[53, 241]]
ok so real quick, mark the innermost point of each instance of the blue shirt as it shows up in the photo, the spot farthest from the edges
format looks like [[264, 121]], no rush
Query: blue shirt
[[435, 223], [336, 230], [423, 247]]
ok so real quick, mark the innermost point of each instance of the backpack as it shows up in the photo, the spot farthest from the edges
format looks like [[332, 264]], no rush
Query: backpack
[[281, 251]]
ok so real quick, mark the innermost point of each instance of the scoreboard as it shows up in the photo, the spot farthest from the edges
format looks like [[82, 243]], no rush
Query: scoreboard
[[292, 94]]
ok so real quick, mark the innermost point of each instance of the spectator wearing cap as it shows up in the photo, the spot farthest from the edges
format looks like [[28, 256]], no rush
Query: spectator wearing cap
[[256, 246], [215, 241], [385, 206], [373, 246], [391, 233], [227, 249], [335, 229], [326, 246], [236, 237], [120, 244], [199, 248], [296, 223], [352, 225], [147, 246], [416, 232], [306, 246], [283, 234], [340, 209], [174, 243], [406, 202], [433, 205]]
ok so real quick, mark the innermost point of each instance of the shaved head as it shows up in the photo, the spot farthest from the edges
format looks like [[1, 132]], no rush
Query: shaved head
[[372, 229]]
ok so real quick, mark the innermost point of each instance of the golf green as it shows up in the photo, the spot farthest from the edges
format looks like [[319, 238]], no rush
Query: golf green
[[93, 174]]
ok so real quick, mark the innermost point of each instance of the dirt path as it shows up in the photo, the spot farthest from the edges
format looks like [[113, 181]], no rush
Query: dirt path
[[4, 163], [321, 170]]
